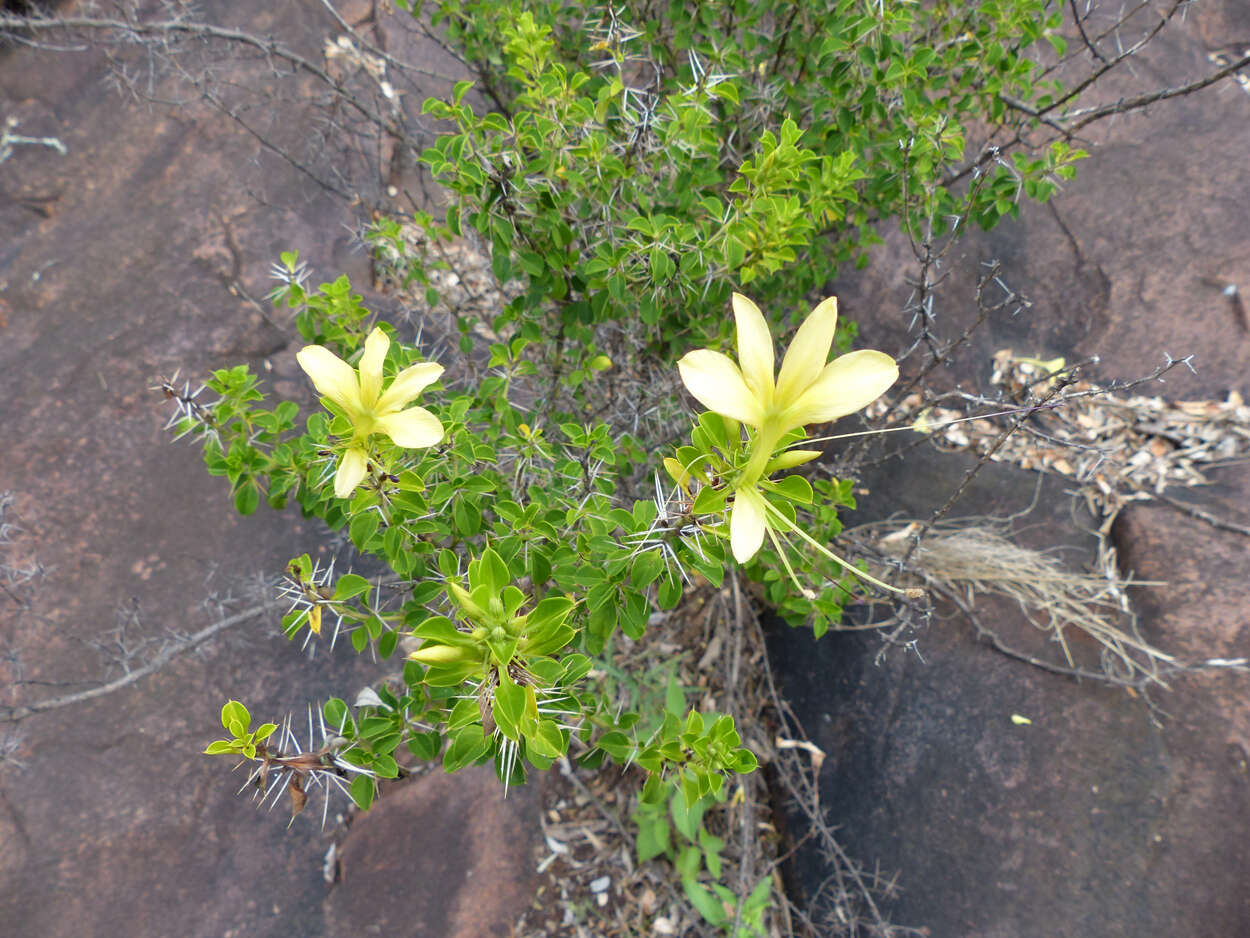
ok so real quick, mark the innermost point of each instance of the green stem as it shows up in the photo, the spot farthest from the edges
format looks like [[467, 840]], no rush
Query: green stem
[[762, 447]]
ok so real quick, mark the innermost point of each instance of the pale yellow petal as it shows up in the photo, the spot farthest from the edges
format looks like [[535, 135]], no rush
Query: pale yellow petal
[[808, 352], [331, 376], [755, 348], [746, 524], [411, 428], [717, 384], [371, 361], [846, 385], [351, 472], [407, 385]]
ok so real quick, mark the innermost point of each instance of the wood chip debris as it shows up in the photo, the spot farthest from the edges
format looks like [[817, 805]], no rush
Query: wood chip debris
[[1118, 448]]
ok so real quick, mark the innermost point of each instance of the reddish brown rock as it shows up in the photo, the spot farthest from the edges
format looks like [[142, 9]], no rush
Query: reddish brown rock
[[442, 856], [1095, 819], [139, 252], [1098, 817]]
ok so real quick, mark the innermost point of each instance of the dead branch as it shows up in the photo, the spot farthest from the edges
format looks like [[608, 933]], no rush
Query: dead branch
[[18, 712]]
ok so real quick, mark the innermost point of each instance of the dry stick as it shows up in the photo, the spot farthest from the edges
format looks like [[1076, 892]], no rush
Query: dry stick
[[1128, 53], [1202, 515], [744, 859], [1125, 104], [1143, 100], [1003, 648], [159, 660], [989, 153], [368, 46], [1080, 28], [985, 458], [264, 141], [983, 311], [608, 814], [270, 47]]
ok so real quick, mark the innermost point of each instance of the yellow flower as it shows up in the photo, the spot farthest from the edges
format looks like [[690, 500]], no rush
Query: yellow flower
[[358, 393], [809, 389]]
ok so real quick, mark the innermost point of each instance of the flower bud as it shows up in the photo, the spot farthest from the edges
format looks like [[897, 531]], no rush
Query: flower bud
[[465, 600], [789, 459], [440, 654]]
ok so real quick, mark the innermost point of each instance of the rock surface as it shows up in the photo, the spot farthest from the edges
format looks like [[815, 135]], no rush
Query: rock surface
[[142, 251], [443, 856], [1094, 819], [145, 249]]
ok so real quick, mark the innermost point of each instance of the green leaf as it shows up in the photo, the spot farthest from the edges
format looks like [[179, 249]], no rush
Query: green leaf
[[616, 744], [744, 761], [247, 498], [442, 630], [674, 697], [219, 746], [669, 593], [548, 741], [539, 565], [336, 714], [633, 613], [711, 908], [350, 585], [793, 488], [425, 746], [468, 517], [467, 746], [492, 572], [448, 564], [508, 706], [710, 500], [363, 526], [646, 568], [641, 225], [552, 610], [451, 675], [386, 766], [654, 836], [235, 713], [362, 791], [758, 900], [692, 790], [711, 847]]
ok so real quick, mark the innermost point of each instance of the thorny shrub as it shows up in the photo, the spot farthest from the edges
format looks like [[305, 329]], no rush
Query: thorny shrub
[[640, 163]]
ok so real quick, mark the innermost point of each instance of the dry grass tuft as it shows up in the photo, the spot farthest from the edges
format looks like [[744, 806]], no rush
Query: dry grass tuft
[[969, 557]]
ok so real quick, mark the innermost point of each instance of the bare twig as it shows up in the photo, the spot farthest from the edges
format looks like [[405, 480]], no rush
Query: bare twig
[[980, 464], [16, 713], [1080, 28], [1202, 515]]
